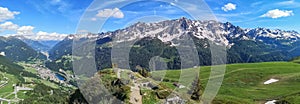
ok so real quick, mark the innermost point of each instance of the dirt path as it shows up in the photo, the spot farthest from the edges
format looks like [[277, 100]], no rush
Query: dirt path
[[135, 97]]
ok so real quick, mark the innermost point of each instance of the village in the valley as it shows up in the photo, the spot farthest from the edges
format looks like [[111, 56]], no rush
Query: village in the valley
[[12, 91]]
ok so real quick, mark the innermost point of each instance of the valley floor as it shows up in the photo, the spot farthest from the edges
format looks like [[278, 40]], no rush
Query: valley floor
[[14, 90]]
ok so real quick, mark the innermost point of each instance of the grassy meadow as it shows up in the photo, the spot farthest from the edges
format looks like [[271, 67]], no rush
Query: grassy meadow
[[244, 83]]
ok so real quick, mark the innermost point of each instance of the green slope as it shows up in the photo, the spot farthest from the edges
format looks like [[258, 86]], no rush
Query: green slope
[[295, 60], [7, 66], [243, 83], [17, 50], [43, 93]]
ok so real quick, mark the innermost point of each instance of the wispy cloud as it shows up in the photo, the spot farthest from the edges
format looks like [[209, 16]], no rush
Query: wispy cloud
[[96, 5], [62, 5], [289, 4], [255, 4], [233, 14], [58, 7], [234, 17]]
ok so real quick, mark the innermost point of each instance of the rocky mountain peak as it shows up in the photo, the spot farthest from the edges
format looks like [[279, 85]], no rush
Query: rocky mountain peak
[[220, 33]]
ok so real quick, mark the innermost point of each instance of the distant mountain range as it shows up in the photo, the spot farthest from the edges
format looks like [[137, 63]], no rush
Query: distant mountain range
[[38, 44], [160, 39], [17, 50]]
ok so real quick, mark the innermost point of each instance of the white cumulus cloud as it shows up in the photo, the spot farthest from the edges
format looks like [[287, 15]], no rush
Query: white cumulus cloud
[[276, 13], [41, 35], [229, 7], [9, 26], [25, 30], [6, 14], [116, 13]]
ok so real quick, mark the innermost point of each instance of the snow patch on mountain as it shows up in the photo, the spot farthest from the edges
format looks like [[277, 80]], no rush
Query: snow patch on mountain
[[172, 30]]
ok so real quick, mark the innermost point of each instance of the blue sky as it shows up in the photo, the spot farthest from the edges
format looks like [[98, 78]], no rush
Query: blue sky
[[63, 16]]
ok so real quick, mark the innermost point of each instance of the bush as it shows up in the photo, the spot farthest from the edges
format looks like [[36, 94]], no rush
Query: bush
[[166, 80], [163, 94]]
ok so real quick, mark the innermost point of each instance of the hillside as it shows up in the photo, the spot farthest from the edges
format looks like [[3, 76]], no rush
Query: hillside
[[63, 47], [37, 44], [24, 85], [17, 50], [250, 83], [9, 67], [246, 83]]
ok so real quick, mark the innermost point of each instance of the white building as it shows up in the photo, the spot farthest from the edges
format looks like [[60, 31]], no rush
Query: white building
[[174, 100]]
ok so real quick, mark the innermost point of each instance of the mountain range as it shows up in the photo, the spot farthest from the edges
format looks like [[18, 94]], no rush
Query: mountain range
[[38, 44], [161, 39]]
